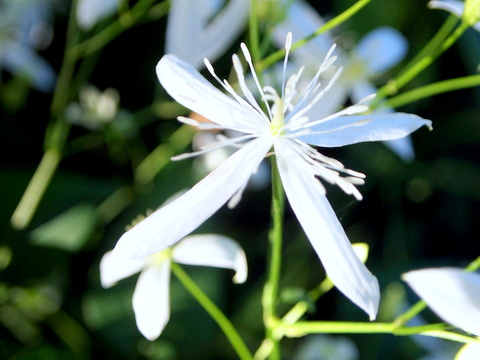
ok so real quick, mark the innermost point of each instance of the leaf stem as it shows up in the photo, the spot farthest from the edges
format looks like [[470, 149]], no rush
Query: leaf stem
[[271, 288], [217, 315]]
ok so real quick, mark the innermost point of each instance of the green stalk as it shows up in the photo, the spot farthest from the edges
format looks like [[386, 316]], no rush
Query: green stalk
[[55, 136], [253, 31], [332, 327], [336, 21], [217, 315], [271, 288], [431, 52], [433, 89], [126, 21]]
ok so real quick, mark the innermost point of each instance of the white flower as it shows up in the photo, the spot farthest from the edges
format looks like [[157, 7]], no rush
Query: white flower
[[469, 10], [151, 302], [453, 294], [287, 130], [90, 12], [198, 29], [377, 52]]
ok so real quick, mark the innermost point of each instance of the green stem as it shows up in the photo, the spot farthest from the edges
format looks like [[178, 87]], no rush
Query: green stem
[[336, 21], [55, 136], [216, 314], [332, 327], [271, 288], [474, 265], [393, 86], [433, 89]]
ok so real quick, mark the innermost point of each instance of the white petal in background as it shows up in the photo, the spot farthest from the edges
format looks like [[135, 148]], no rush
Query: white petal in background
[[212, 250], [194, 33], [469, 352], [382, 48], [453, 294], [455, 7], [325, 232], [90, 12], [151, 300]]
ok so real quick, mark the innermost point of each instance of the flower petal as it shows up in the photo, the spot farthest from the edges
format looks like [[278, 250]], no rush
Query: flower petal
[[175, 220], [453, 294], [224, 28], [347, 130], [382, 48], [190, 35], [324, 230], [151, 300], [212, 250], [192, 90], [183, 32], [113, 269]]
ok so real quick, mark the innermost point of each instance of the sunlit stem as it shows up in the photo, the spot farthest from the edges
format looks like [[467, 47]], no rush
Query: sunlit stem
[[474, 265], [434, 51], [217, 315], [440, 87], [336, 21], [333, 327], [271, 288]]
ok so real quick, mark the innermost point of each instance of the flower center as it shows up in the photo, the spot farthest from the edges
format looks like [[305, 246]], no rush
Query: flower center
[[278, 120], [161, 256]]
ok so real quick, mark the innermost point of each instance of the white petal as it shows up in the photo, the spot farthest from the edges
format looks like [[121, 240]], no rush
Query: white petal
[[175, 220], [452, 6], [90, 12], [470, 351], [212, 250], [113, 269], [382, 48], [192, 90], [184, 30], [224, 28], [325, 232], [347, 130], [151, 300], [453, 294]]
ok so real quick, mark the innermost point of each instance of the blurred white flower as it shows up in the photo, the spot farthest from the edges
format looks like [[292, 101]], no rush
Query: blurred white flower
[[453, 294], [24, 29], [151, 298], [324, 347], [95, 108], [198, 29], [90, 12], [376, 53], [287, 130]]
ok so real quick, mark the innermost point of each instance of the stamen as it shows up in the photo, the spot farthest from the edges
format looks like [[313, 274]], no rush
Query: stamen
[[199, 125], [248, 58], [288, 45]]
